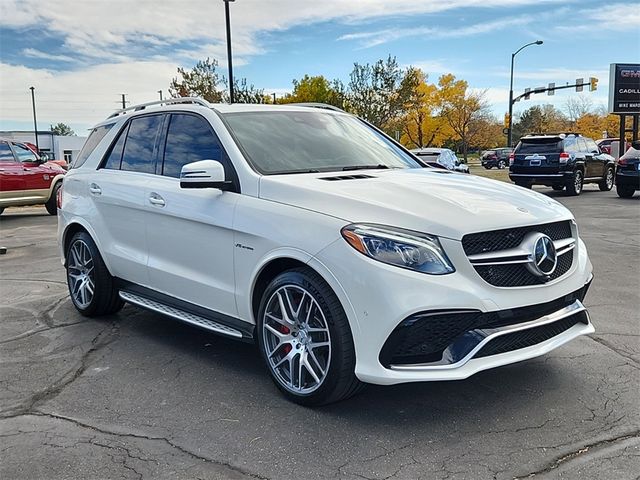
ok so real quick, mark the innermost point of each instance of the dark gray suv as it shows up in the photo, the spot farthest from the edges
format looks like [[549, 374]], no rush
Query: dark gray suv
[[561, 161]]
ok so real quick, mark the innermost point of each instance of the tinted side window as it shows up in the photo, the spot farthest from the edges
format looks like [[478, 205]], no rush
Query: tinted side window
[[6, 155], [189, 139], [92, 142], [115, 156], [570, 145], [24, 154], [582, 145], [591, 145], [139, 147]]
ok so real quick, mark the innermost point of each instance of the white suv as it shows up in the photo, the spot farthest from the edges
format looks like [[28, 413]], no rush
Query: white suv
[[312, 233]]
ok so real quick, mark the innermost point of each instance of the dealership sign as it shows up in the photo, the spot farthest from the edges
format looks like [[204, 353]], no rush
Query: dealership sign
[[624, 88]]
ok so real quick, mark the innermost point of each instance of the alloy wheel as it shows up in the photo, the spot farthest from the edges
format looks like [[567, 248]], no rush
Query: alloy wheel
[[577, 181], [296, 338], [609, 179], [80, 274]]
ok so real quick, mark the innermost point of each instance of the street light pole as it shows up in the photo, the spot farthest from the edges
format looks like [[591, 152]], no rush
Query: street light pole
[[35, 122], [510, 127], [226, 13]]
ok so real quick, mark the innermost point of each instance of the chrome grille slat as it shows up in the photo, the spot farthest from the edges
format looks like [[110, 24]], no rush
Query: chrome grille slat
[[179, 314]]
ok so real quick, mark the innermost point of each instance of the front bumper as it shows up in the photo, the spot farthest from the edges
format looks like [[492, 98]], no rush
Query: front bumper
[[378, 297]]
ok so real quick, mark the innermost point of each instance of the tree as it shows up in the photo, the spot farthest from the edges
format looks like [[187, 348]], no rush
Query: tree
[[462, 109], [201, 81], [537, 119], [421, 124], [377, 92], [316, 89], [576, 107], [243, 92], [62, 129]]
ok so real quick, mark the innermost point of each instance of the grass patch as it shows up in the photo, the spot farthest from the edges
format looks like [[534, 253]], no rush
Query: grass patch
[[494, 173]]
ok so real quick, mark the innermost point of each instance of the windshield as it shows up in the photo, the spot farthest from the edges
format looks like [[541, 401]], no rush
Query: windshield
[[298, 142]]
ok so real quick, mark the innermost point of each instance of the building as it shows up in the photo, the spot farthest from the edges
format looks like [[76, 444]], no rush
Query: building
[[59, 147]]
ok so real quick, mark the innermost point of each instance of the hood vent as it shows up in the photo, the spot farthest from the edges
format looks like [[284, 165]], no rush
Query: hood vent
[[358, 176]]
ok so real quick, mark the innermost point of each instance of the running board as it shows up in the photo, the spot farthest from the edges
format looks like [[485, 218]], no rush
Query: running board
[[178, 314]]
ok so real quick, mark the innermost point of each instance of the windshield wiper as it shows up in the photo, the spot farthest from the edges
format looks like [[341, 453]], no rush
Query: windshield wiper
[[364, 167]]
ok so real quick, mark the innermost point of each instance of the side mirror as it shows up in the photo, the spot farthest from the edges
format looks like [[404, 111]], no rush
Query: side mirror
[[44, 157], [203, 174]]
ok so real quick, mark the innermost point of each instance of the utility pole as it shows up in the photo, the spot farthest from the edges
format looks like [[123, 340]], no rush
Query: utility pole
[[160, 92], [226, 13], [124, 100], [35, 122], [274, 97]]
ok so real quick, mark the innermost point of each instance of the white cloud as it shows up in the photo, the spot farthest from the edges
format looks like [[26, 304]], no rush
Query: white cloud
[[81, 97], [33, 53]]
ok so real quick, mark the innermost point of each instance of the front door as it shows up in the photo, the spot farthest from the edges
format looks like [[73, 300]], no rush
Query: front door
[[190, 231], [11, 178]]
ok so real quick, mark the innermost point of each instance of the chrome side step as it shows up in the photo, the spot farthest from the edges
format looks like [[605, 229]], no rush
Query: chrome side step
[[179, 314]]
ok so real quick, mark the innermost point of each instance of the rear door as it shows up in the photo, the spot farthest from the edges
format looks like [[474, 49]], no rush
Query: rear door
[[598, 161], [537, 155], [11, 178], [190, 231], [118, 193]]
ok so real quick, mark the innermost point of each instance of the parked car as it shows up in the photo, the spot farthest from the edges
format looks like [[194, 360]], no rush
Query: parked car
[[498, 157], [445, 157], [26, 179], [605, 144], [561, 161], [45, 156], [628, 171], [315, 235]]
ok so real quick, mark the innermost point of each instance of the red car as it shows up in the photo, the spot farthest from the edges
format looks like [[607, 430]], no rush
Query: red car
[[45, 156], [26, 179]]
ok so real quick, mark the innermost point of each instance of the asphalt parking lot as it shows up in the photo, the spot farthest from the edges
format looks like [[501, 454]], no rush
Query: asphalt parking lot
[[136, 395]]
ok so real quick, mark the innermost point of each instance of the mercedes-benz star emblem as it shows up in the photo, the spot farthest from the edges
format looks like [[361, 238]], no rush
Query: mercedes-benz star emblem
[[544, 258]]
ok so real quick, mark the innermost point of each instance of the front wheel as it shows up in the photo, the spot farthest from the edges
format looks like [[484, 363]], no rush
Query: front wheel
[[606, 183], [574, 186], [625, 191], [305, 339], [91, 286]]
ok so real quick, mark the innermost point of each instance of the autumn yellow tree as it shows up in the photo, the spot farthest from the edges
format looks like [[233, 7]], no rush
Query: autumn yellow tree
[[422, 125]]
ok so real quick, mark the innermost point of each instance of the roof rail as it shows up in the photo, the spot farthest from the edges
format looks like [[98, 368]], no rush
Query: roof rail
[[168, 101], [326, 106]]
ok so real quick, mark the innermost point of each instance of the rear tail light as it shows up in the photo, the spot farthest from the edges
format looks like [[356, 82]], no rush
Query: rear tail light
[[512, 157], [564, 157], [59, 197]]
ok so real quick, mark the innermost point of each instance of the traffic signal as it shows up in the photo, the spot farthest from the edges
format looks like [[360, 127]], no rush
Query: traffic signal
[[506, 120], [593, 84]]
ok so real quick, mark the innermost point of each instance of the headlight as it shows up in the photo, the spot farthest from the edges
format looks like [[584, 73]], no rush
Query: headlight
[[402, 248]]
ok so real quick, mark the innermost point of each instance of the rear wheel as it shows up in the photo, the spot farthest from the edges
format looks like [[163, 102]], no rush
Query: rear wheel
[[502, 164], [574, 186], [607, 182], [305, 339], [488, 167], [625, 191], [91, 286], [52, 203]]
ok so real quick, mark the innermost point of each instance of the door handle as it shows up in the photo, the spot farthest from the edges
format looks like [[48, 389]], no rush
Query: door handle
[[156, 199], [95, 189]]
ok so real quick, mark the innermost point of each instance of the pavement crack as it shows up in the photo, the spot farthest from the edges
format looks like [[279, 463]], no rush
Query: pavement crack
[[605, 343], [576, 453], [165, 440]]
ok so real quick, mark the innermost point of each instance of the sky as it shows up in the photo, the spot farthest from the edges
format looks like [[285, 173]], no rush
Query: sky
[[81, 55]]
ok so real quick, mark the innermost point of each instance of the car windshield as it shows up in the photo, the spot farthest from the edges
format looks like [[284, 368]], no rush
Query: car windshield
[[314, 141]]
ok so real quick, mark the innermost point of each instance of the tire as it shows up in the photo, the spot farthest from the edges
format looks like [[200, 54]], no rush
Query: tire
[[625, 191], [607, 182], [557, 187], [501, 165], [286, 343], [574, 186], [488, 167], [524, 185], [86, 270], [52, 203]]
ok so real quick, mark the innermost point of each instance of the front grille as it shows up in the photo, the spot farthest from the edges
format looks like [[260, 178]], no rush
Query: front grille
[[532, 336], [512, 237], [423, 337], [517, 274]]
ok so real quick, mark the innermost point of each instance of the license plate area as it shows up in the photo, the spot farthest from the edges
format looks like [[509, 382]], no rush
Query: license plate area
[[535, 160]]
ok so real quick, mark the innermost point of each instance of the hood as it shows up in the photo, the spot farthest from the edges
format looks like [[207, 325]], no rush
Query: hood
[[426, 200], [55, 165]]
